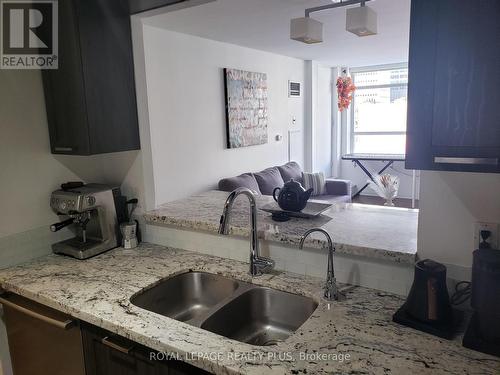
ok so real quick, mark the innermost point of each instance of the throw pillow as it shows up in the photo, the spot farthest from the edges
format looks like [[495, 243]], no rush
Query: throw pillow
[[316, 181], [244, 180], [268, 180], [291, 170]]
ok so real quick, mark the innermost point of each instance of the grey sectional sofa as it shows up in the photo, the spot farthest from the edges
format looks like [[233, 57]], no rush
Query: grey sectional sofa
[[265, 181]]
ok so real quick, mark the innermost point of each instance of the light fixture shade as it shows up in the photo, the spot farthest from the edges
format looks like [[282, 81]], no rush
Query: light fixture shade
[[361, 21], [306, 30]]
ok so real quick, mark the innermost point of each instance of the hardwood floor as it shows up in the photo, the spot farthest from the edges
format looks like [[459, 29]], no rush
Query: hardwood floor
[[398, 202]]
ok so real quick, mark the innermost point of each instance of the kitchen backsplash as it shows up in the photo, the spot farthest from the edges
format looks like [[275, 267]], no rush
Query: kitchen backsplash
[[21, 247]]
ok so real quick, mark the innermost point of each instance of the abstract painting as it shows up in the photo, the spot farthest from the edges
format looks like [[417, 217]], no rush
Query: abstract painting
[[246, 108]]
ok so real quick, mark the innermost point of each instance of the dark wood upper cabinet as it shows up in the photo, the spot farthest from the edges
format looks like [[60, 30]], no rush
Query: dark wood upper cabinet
[[90, 99], [453, 90]]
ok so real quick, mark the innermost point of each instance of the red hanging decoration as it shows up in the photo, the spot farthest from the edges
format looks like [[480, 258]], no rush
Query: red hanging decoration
[[345, 89]]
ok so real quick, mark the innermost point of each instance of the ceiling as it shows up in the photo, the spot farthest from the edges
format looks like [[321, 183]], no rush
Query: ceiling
[[265, 25]]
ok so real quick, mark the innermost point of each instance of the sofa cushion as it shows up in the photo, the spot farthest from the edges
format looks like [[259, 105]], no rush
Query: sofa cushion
[[315, 181], [268, 180], [291, 170], [338, 187], [244, 180]]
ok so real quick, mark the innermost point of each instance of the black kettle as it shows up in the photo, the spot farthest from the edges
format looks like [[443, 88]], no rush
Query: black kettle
[[427, 307], [292, 196], [428, 300]]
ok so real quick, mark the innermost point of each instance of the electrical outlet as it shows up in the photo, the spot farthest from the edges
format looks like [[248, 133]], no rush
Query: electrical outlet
[[492, 240]]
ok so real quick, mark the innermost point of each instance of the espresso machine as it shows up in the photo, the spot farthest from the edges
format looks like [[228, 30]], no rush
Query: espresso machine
[[93, 213]]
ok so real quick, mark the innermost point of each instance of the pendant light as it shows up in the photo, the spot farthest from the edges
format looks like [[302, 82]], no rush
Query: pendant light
[[361, 21]]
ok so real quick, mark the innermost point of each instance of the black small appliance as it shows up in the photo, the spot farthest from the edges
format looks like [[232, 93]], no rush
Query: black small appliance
[[428, 307], [483, 332]]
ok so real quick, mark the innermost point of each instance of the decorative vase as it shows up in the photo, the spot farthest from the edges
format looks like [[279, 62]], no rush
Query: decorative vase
[[389, 203], [386, 186]]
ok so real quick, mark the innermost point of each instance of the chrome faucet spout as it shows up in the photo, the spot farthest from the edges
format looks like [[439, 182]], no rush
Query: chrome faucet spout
[[225, 217], [331, 290], [258, 264]]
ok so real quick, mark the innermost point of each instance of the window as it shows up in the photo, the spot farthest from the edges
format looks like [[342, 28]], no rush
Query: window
[[378, 117]]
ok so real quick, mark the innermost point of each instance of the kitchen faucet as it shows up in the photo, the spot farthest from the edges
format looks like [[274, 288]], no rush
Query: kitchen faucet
[[258, 264], [331, 290]]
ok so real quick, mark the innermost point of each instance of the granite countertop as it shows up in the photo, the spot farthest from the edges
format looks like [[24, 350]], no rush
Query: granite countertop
[[386, 233], [98, 291]]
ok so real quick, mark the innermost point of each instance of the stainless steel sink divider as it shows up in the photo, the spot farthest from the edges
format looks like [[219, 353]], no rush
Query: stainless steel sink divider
[[242, 288]]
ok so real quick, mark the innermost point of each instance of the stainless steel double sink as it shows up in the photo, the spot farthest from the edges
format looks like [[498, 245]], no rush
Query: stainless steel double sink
[[235, 309]]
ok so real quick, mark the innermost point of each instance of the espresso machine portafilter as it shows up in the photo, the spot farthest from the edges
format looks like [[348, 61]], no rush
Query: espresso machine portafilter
[[92, 213]]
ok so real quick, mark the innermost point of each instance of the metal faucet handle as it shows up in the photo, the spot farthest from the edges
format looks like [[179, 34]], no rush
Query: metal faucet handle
[[261, 265], [332, 292], [264, 263]]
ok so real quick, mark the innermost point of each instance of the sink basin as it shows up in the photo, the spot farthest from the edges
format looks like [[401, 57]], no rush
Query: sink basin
[[234, 309], [261, 316], [186, 296]]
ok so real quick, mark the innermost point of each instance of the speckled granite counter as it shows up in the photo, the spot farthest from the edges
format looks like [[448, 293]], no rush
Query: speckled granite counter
[[372, 231], [98, 291]]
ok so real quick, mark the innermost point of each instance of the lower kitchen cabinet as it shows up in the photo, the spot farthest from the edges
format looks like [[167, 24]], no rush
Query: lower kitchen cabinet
[[44, 341], [109, 354]]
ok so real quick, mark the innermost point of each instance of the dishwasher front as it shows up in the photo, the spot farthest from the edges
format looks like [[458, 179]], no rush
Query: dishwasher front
[[42, 341]]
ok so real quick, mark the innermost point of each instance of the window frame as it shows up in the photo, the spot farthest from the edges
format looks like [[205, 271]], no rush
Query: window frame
[[372, 68]]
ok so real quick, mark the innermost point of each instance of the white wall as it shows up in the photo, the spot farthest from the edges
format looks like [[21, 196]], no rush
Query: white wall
[[450, 204], [323, 125], [29, 173], [186, 111], [310, 112], [320, 136]]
